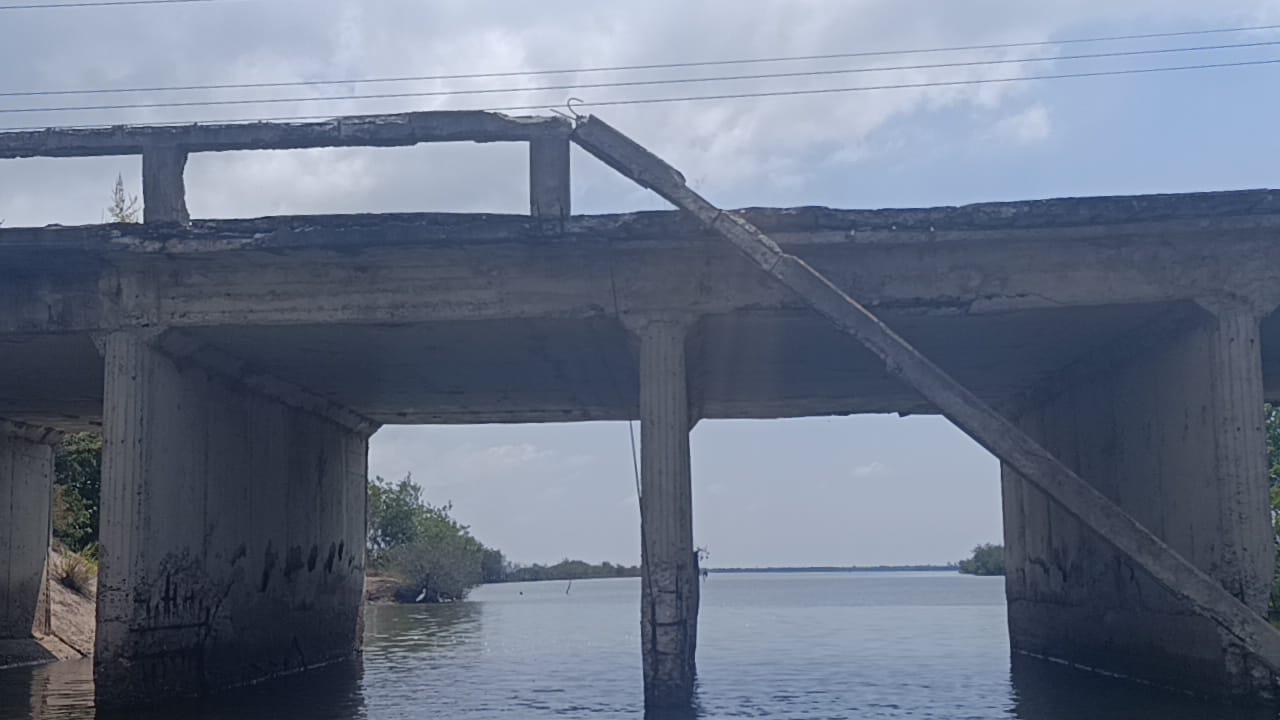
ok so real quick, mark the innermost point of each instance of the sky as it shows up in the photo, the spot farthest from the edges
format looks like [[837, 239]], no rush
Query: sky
[[860, 490]]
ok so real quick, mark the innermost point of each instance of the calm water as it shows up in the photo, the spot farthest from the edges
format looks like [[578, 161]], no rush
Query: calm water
[[874, 645]]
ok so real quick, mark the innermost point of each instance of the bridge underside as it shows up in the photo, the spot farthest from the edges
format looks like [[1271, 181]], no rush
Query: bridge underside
[[240, 363], [761, 364]]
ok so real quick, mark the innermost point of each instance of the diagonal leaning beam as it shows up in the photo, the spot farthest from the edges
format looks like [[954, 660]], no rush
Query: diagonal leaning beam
[[978, 420]]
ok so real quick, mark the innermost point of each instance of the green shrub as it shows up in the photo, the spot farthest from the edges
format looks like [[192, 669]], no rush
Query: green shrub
[[987, 559]]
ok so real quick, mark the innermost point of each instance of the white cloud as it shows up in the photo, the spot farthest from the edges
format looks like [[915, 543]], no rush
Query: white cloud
[[752, 150], [1028, 126], [870, 469]]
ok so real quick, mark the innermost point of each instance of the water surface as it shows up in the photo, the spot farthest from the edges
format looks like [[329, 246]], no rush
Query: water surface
[[811, 645]]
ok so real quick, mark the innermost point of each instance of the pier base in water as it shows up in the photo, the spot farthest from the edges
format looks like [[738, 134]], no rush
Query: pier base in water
[[233, 528], [669, 583]]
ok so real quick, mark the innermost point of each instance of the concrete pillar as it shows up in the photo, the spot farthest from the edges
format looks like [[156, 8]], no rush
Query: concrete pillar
[[669, 567], [164, 190], [1173, 433], [26, 492], [233, 531], [549, 181]]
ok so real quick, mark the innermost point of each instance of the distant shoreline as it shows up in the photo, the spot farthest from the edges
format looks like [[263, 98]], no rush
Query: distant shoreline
[[837, 569]]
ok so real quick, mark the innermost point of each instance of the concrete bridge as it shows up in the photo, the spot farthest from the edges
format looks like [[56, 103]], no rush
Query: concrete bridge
[[238, 367]]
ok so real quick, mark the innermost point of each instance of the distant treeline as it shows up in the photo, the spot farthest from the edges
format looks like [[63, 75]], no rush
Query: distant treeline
[[840, 568], [568, 570]]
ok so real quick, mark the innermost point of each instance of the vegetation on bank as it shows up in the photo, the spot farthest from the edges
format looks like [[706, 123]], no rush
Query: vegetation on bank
[[987, 560], [835, 569], [568, 570], [434, 558]]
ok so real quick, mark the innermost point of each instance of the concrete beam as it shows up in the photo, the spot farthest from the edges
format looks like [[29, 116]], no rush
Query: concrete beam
[[185, 349], [233, 531], [361, 130], [669, 564], [26, 494], [376, 268]]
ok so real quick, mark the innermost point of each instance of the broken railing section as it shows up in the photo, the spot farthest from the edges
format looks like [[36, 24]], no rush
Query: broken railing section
[[990, 429], [165, 148]]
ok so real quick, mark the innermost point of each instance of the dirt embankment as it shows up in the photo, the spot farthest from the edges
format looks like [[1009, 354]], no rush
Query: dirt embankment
[[70, 618]]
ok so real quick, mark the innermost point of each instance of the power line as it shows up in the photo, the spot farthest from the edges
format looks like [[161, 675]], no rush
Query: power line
[[738, 96], [102, 3], [628, 83], [628, 68]]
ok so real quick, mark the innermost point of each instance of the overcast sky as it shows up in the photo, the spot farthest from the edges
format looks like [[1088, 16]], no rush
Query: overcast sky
[[852, 490]]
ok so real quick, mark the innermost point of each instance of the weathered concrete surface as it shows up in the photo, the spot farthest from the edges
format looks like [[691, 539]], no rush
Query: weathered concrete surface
[[232, 531], [163, 185], [26, 494], [364, 130], [669, 567], [481, 318], [506, 313], [1168, 426]]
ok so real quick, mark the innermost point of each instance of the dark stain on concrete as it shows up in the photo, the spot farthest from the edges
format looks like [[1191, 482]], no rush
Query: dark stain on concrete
[[312, 558], [328, 562], [241, 553], [293, 563], [269, 560]]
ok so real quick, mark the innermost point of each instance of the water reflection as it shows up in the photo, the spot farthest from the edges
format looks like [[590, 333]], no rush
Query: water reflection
[[1044, 690], [795, 648]]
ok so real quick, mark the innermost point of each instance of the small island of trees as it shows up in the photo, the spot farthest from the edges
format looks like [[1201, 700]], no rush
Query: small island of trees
[[987, 560]]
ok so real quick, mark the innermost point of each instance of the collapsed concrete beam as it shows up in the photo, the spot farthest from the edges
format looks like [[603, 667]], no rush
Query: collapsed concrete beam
[[1017, 450], [362, 130]]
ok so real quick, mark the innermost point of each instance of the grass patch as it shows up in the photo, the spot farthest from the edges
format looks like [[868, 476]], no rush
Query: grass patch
[[76, 572]]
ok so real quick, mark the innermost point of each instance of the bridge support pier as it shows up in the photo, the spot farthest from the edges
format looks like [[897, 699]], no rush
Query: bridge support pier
[[233, 529], [26, 492], [669, 565], [1173, 433]]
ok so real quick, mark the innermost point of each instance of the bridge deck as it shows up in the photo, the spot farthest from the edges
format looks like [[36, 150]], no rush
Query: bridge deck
[[489, 318]]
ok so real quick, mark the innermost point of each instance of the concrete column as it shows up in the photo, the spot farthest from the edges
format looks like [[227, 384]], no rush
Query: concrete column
[[26, 492], [1172, 432], [233, 531], [669, 567], [549, 180], [164, 190]]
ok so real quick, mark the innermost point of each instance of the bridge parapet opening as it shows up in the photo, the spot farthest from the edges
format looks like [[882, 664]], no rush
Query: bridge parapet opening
[[165, 149]]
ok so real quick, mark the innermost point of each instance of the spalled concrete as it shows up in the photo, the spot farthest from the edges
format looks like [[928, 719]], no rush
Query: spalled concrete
[[232, 531], [1168, 426]]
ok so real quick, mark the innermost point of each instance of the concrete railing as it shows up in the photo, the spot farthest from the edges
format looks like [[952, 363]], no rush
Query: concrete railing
[[164, 148]]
